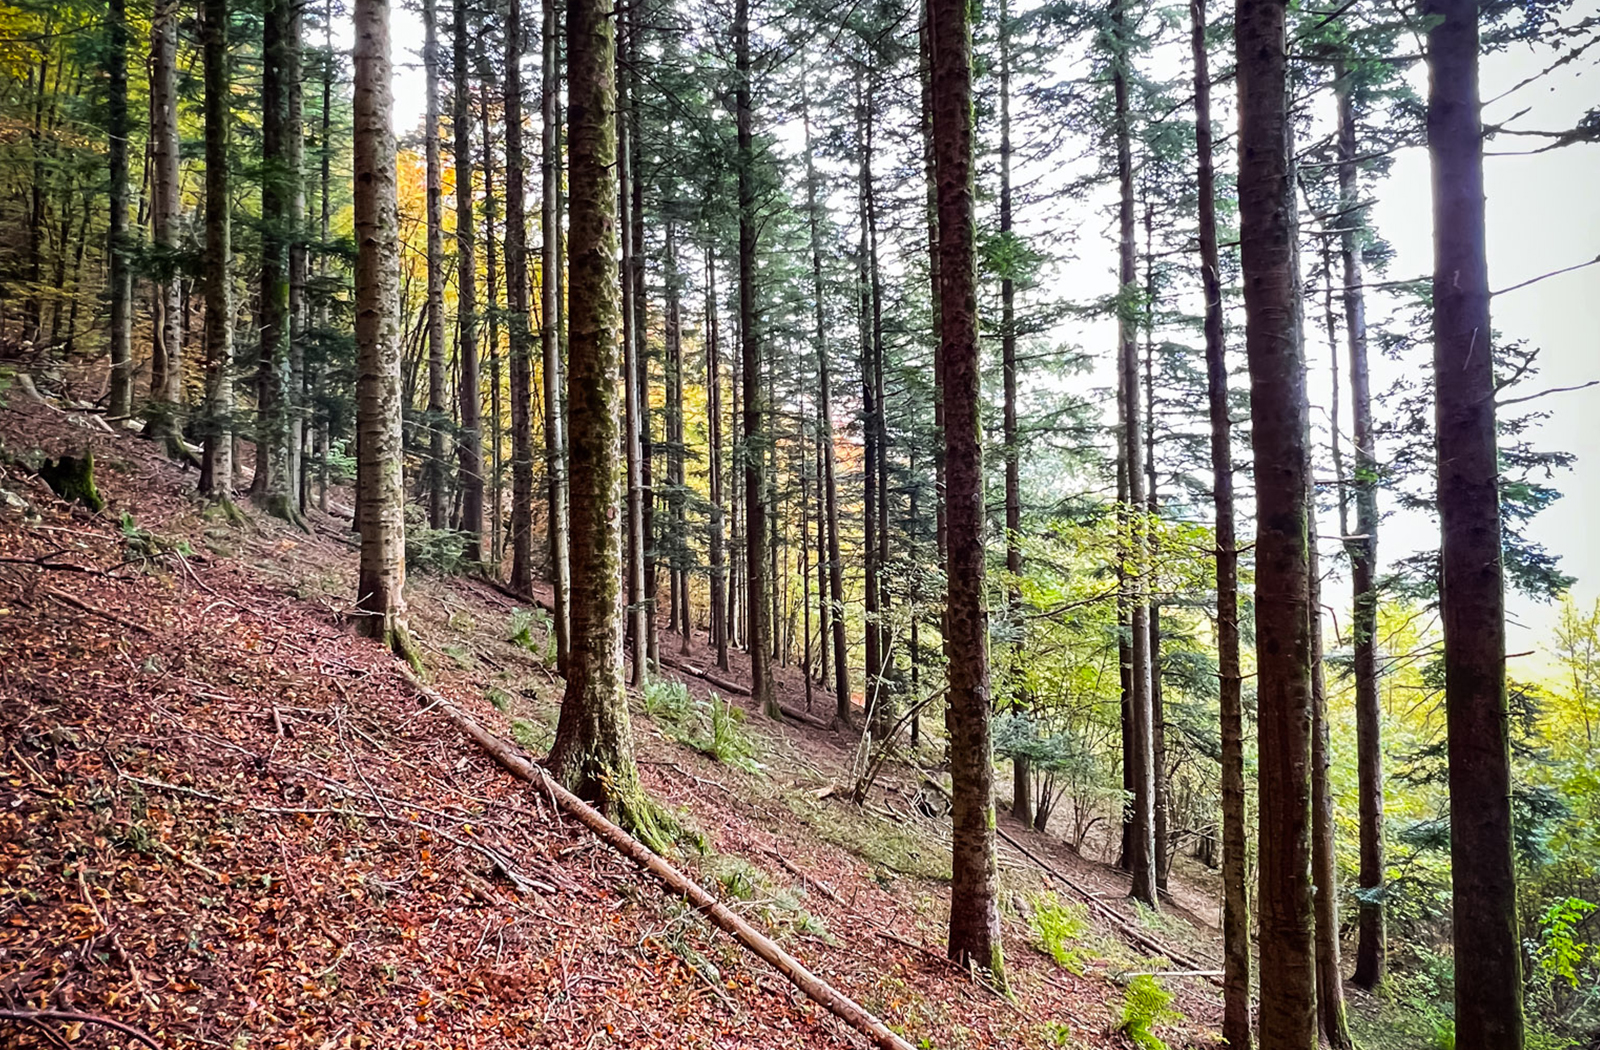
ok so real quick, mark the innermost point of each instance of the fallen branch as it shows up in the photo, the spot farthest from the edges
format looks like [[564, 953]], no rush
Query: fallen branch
[[67, 599], [1105, 911], [793, 714], [808, 880], [816, 989], [38, 1017]]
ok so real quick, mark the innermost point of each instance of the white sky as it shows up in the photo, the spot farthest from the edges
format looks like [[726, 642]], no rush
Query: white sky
[[1543, 213]]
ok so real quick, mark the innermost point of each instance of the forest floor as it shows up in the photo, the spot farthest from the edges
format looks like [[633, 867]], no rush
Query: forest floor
[[227, 820]]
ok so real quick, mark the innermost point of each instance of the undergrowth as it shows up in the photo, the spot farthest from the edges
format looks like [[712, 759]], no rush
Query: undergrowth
[[713, 727], [520, 630], [1146, 1004], [1057, 927]]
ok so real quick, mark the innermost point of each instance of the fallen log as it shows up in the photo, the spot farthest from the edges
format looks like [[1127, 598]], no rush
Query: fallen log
[[514, 762], [1105, 911]]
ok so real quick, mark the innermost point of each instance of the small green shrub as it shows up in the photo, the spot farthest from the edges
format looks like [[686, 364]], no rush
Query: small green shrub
[[532, 736], [498, 698], [436, 552], [520, 632], [1056, 925], [727, 742], [665, 700], [1145, 1005]]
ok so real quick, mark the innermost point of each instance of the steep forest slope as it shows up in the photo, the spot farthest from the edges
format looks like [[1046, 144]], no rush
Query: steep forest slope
[[229, 822]]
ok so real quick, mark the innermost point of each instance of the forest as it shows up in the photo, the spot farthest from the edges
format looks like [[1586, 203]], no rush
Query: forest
[[798, 523]]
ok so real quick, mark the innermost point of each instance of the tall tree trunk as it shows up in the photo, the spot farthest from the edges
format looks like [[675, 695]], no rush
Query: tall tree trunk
[[325, 207], [1021, 778], [871, 623], [1142, 863], [1324, 866], [436, 472], [470, 447], [1279, 430], [641, 354], [120, 280], [279, 186], [755, 433], [299, 261], [637, 632], [719, 570], [881, 698], [167, 395], [1236, 1028], [555, 447], [491, 289], [216, 466], [380, 499], [1363, 549], [974, 917], [1158, 717], [593, 749], [828, 519], [517, 313], [676, 474], [1472, 588]]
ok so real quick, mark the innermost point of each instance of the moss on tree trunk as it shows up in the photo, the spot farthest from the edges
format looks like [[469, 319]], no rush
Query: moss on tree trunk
[[72, 479]]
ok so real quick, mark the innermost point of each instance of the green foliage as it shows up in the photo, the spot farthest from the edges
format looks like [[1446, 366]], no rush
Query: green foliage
[[498, 698], [1559, 953], [436, 552], [1145, 1005], [531, 735], [665, 700], [521, 628], [713, 727], [1057, 924]]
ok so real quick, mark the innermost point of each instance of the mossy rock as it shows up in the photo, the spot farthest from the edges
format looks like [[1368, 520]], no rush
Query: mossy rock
[[72, 479]]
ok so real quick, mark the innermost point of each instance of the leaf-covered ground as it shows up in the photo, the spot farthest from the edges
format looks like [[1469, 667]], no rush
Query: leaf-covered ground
[[229, 822]]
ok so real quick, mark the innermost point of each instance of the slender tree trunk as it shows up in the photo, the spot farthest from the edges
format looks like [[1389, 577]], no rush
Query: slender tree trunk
[[517, 313], [166, 396], [719, 570], [1472, 588], [639, 614], [294, 161], [1142, 863], [593, 750], [634, 258], [119, 128], [1363, 549], [549, 338], [882, 698], [216, 467], [828, 519], [1158, 718], [676, 475], [1236, 1028], [470, 396], [1279, 429], [325, 206], [380, 502], [280, 179], [436, 473], [491, 288], [871, 629], [755, 432], [974, 917], [1324, 867], [1022, 779]]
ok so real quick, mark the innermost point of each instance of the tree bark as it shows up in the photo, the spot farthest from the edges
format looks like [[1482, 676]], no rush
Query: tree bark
[[272, 486], [1472, 589], [1021, 779], [1236, 1027], [120, 279], [216, 466], [1142, 863], [1363, 550], [637, 632], [1324, 864], [380, 502], [719, 569], [549, 336], [1280, 425], [755, 434], [470, 442], [167, 394], [517, 291], [974, 917], [833, 593], [436, 472], [593, 750]]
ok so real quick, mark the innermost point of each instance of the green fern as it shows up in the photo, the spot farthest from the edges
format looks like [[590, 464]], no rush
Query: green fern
[[1145, 1005]]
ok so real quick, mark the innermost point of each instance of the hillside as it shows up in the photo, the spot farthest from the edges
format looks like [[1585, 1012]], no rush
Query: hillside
[[230, 822]]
